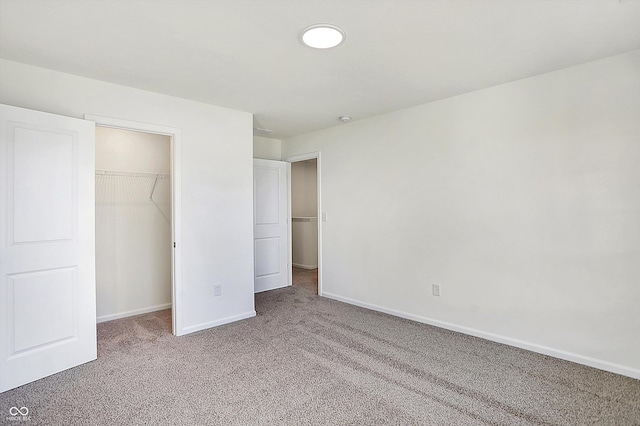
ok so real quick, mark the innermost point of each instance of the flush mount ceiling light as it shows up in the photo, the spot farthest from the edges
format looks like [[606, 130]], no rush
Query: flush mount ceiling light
[[344, 118], [322, 36]]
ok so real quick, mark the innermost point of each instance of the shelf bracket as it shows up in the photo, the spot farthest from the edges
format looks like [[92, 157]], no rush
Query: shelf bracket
[[155, 182]]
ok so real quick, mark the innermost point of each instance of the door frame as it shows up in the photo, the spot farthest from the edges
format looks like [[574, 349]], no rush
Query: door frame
[[176, 205], [319, 215]]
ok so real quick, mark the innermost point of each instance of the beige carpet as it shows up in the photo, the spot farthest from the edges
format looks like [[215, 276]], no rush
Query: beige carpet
[[307, 278], [305, 360]]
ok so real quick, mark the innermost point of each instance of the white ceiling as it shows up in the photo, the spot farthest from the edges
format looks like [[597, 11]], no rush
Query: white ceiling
[[246, 55]]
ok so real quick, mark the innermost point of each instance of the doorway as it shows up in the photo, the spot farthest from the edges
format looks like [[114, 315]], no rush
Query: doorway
[[133, 223], [306, 222], [145, 185]]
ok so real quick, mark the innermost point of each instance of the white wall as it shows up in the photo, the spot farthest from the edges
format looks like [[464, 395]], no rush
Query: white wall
[[304, 189], [267, 149], [217, 169], [521, 200], [133, 231], [304, 205], [304, 241], [130, 151]]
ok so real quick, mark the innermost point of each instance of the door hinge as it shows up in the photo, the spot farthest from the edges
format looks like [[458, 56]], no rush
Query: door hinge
[[174, 244]]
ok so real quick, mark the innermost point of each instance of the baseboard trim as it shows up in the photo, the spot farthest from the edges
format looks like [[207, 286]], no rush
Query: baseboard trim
[[222, 321], [134, 312], [534, 347], [300, 265]]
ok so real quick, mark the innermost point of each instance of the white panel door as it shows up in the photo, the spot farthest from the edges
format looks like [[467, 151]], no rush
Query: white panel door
[[47, 245], [270, 224]]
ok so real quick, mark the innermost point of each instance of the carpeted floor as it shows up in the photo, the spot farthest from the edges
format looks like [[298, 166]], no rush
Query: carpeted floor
[[314, 361], [307, 278]]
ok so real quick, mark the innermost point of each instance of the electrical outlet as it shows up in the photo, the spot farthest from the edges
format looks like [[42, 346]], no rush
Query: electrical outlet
[[217, 290], [436, 289]]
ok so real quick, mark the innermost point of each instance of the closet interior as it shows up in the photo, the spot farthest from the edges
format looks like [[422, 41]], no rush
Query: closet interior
[[304, 212], [133, 223]]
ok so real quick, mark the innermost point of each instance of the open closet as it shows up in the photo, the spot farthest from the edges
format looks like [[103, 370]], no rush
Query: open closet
[[133, 223], [304, 218]]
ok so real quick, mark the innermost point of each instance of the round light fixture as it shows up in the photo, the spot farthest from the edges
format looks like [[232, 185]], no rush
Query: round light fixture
[[322, 36], [344, 118]]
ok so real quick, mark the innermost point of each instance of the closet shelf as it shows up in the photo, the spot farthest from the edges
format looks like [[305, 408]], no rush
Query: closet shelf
[[132, 174], [154, 176], [304, 219]]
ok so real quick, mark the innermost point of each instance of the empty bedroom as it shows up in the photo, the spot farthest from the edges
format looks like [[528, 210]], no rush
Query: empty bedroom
[[243, 212]]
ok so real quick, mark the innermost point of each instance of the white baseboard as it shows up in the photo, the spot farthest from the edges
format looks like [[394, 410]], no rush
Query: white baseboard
[[140, 311], [300, 265], [205, 325], [534, 347]]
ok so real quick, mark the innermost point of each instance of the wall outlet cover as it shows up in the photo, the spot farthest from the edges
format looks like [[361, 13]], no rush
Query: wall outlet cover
[[436, 289]]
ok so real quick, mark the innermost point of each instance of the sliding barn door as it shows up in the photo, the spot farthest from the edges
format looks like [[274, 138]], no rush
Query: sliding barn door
[[47, 245], [270, 224]]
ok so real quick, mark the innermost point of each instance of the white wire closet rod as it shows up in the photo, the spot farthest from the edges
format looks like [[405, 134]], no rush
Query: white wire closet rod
[[154, 176], [132, 174]]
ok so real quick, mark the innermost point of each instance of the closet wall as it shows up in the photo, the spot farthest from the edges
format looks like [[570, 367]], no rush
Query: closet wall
[[304, 210], [133, 223], [267, 149]]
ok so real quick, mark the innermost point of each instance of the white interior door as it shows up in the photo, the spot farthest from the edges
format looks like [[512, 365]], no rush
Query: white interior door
[[47, 245], [270, 224]]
